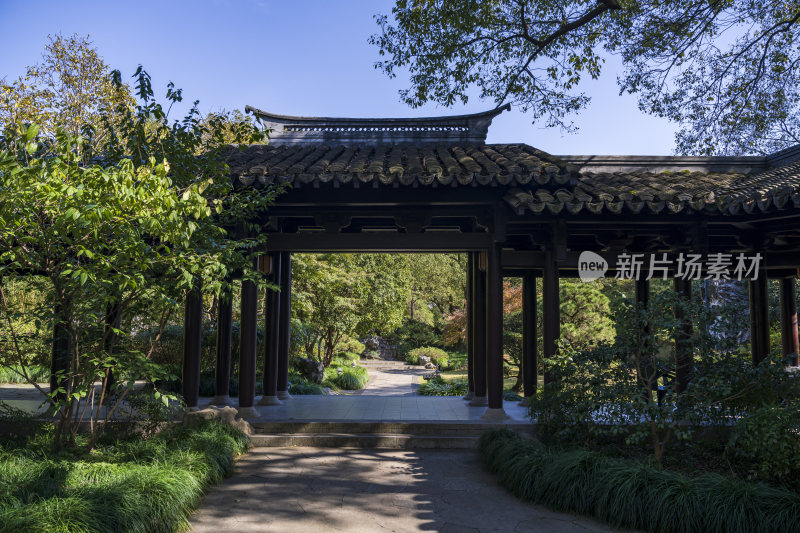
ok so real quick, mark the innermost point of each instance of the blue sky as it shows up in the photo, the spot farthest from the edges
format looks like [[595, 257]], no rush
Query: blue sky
[[297, 58]]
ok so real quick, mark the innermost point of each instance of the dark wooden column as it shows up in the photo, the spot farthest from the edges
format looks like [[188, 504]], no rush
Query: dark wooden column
[[551, 310], [479, 328], [61, 352], [684, 359], [272, 326], [759, 318], [248, 343], [192, 343], [222, 376], [494, 332], [469, 326], [284, 333], [529, 361], [789, 335]]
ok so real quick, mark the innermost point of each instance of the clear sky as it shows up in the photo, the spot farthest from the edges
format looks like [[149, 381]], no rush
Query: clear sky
[[297, 57]]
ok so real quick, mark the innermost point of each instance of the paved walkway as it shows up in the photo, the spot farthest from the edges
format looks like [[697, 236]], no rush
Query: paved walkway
[[357, 490], [392, 378]]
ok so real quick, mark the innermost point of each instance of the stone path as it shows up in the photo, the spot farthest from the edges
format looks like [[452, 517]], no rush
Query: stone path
[[357, 490], [392, 378]]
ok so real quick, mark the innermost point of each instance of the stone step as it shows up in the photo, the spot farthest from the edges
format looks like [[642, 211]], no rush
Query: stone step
[[370, 440]]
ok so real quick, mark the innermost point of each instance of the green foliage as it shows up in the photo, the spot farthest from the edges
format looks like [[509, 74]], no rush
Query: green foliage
[[414, 334], [123, 219], [340, 295], [724, 71], [126, 485], [14, 374], [346, 357], [442, 387], [436, 355], [346, 377], [766, 442], [299, 386], [351, 345], [633, 494]]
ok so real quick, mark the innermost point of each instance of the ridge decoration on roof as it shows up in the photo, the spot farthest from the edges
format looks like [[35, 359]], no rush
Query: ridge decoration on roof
[[453, 129]]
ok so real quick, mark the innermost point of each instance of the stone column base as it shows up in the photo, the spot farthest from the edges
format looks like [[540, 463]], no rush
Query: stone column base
[[269, 400], [480, 401], [248, 412], [221, 401], [469, 395], [284, 395], [494, 414]]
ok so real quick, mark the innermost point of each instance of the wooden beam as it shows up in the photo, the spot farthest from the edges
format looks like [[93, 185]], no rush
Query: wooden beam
[[790, 344], [438, 241], [284, 332], [470, 326], [192, 344], [684, 360], [759, 319], [271, 334], [222, 376], [494, 328], [529, 360], [248, 342], [551, 310], [479, 337]]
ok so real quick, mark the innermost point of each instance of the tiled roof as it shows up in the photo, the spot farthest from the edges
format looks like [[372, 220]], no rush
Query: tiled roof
[[667, 192], [466, 164], [537, 181]]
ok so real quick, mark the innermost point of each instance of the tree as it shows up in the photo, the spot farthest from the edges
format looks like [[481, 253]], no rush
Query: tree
[[145, 215], [335, 295], [70, 89], [726, 71]]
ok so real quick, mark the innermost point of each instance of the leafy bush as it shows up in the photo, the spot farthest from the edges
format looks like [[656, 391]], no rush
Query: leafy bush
[[12, 374], [346, 356], [349, 344], [125, 485], [350, 378], [442, 387], [437, 355], [414, 334], [766, 443], [634, 494], [299, 386]]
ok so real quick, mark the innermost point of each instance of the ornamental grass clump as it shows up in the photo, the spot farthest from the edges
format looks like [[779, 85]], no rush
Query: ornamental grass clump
[[635, 494], [127, 485]]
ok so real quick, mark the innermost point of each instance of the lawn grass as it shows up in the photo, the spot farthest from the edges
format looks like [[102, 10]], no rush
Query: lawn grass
[[630, 493], [508, 381], [122, 486]]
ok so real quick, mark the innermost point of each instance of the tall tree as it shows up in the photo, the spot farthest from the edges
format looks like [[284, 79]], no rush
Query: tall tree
[[726, 70]]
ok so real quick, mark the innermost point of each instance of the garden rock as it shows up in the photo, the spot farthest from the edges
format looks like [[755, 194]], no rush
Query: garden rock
[[429, 365], [376, 347], [312, 370], [424, 360], [226, 415]]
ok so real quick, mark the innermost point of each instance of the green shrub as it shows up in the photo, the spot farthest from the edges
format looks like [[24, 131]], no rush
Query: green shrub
[[634, 494], [38, 373], [435, 354], [349, 344], [442, 387], [766, 443], [125, 485], [414, 334], [346, 356], [299, 386], [351, 378]]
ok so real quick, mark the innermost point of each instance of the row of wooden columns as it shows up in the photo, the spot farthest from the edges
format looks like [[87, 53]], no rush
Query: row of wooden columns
[[484, 324], [277, 330]]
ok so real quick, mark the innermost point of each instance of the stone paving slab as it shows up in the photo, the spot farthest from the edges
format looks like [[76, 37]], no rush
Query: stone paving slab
[[357, 490]]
